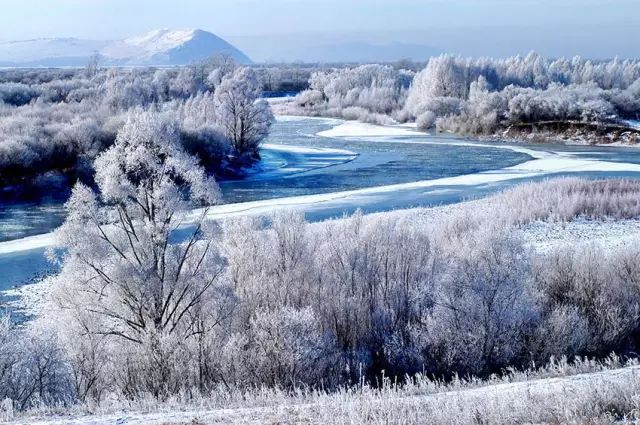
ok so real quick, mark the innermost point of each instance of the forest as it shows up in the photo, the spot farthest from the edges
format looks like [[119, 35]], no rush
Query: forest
[[54, 123]]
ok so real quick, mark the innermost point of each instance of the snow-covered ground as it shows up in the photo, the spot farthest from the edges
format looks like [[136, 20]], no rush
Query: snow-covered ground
[[358, 129], [29, 299], [26, 244], [611, 234], [289, 118], [537, 398]]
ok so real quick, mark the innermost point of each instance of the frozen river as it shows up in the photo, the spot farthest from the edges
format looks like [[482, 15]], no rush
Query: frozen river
[[327, 168], [298, 162]]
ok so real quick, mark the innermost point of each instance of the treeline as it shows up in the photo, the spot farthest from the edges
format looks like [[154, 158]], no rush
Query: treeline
[[370, 93], [55, 122], [322, 305], [479, 96]]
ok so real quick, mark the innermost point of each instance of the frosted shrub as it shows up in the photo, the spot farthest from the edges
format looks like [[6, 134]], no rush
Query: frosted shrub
[[357, 113], [589, 280], [426, 120], [33, 371], [563, 332], [369, 93], [281, 303], [288, 348], [16, 94], [309, 98], [483, 304]]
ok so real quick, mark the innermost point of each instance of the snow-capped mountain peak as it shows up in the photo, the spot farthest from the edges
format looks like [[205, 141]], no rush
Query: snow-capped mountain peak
[[162, 39], [158, 47]]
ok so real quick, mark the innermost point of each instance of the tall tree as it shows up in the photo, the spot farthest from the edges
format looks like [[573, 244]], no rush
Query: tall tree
[[244, 118], [123, 275]]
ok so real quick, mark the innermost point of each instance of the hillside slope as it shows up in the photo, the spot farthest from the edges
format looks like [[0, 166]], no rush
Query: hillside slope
[[158, 47]]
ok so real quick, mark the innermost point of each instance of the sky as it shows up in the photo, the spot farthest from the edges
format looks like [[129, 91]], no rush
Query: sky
[[282, 29]]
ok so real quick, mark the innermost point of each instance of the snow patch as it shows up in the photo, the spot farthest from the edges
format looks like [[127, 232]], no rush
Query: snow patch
[[307, 150], [358, 129], [27, 244], [612, 234]]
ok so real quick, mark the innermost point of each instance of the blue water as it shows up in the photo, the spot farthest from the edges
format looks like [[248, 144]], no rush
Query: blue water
[[379, 163]]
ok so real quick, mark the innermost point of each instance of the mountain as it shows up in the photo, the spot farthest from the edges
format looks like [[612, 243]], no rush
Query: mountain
[[158, 47]]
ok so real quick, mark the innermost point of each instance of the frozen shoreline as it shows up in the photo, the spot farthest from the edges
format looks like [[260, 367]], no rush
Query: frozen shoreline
[[543, 163], [541, 236]]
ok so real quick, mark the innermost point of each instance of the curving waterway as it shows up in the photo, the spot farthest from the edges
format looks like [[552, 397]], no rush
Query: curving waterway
[[329, 176]]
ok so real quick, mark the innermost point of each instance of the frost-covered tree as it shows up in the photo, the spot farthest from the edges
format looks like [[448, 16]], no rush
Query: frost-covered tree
[[522, 90], [93, 65], [366, 93], [243, 117], [482, 302], [123, 275], [32, 367], [220, 66]]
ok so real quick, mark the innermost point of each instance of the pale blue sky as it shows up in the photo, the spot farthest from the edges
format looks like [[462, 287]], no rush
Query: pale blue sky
[[554, 27]]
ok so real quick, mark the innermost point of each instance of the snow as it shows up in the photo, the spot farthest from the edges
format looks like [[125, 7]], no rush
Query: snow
[[358, 129], [284, 161], [612, 234], [49, 48], [278, 100], [29, 299], [146, 46], [26, 244], [307, 150], [293, 118], [162, 39]]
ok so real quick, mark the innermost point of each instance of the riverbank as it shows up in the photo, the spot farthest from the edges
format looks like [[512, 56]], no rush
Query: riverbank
[[622, 132]]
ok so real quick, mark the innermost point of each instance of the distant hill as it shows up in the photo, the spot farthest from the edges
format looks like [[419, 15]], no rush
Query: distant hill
[[158, 47]]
